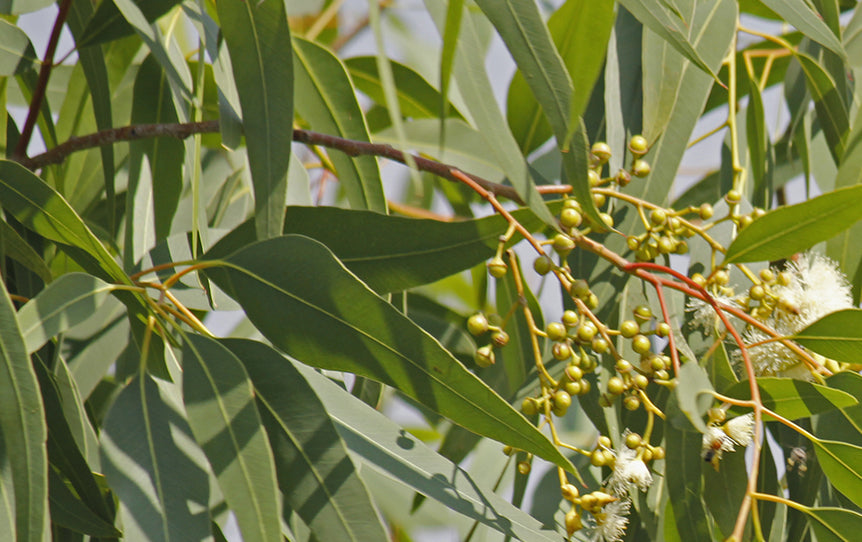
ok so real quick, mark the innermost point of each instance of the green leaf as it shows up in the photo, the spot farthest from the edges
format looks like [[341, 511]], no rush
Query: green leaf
[[831, 111], [580, 30], [794, 399], [258, 39], [326, 99], [694, 393], [670, 26], [152, 465], [300, 296], [315, 474], [16, 248], [40, 208], [16, 51], [17, 7], [834, 524], [22, 422], [221, 411], [384, 446], [390, 253], [69, 300], [836, 336], [795, 228], [842, 465], [108, 24], [416, 97], [683, 477], [800, 14], [67, 510]]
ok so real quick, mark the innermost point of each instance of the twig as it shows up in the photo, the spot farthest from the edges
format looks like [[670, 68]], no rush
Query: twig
[[42, 83]]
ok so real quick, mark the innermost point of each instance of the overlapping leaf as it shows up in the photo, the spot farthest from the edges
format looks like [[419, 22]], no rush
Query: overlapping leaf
[[794, 399], [836, 336], [303, 300]]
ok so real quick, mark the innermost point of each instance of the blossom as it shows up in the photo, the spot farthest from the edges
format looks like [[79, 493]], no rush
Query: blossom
[[629, 469], [703, 313], [815, 288], [611, 522], [741, 429], [715, 443]]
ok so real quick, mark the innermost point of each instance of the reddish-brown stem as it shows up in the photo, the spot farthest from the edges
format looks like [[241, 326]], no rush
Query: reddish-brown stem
[[42, 82]]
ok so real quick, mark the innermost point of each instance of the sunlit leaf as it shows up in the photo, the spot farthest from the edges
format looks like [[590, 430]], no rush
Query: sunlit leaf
[[836, 336], [834, 524], [800, 14], [794, 228], [694, 393], [108, 24], [794, 399], [300, 296]]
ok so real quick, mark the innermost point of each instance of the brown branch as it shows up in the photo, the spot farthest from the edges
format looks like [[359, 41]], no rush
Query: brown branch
[[348, 146], [42, 83]]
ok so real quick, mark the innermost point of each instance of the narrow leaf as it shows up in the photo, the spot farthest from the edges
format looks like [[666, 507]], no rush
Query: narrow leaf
[[108, 24], [315, 474], [16, 51], [794, 399], [831, 111], [152, 465], [221, 411], [22, 422], [834, 524], [694, 393], [786, 230], [842, 464], [326, 99], [69, 300], [800, 14], [258, 39], [836, 336], [300, 296]]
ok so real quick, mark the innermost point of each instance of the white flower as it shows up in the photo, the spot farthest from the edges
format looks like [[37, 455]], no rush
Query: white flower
[[741, 429], [816, 287], [715, 443], [611, 522], [703, 313], [628, 469]]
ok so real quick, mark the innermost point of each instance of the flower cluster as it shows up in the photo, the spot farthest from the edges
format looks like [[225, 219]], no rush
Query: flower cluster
[[719, 439]]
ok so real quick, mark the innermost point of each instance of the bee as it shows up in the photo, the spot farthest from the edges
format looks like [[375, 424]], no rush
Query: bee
[[712, 453], [797, 460]]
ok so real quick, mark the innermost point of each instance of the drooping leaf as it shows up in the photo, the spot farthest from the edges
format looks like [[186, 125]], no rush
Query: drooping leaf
[[794, 228], [325, 98], [153, 466], [390, 253], [69, 300], [843, 248], [836, 336], [22, 422], [16, 51], [694, 393], [831, 111], [684, 480], [794, 399], [258, 39], [223, 417], [800, 14], [108, 24], [299, 296], [842, 465], [385, 447], [315, 474]]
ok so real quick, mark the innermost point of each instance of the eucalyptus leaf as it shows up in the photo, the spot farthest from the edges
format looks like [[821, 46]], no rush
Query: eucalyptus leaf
[[794, 399], [836, 336]]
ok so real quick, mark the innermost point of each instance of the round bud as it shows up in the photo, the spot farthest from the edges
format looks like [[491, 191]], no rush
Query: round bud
[[681, 247], [599, 345], [573, 522], [563, 244], [757, 212], [562, 402], [784, 278], [733, 197], [629, 328], [572, 388], [571, 203], [641, 381], [721, 277], [556, 331], [574, 373], [580, 289], [642, 313], [656, 363], [657, 452], [638, 145], [767, 275], [500, 338], [623, 177], [745, 221], [524, 468], [633, 441], [570, 318], [585, 386], [597, 459], [705, 211], [632, 402], [530, 406], [646, 455], [569, 492], [716, 415], [594, 178], [561, 351], [587, 331], [602, 151], [570, 218], [666, 245], [623, 366], [662, 329], [477, 324], [661, 375], [633, 242], [757, 292], [497, 267], [658, 217], [641, 344], [616, 385], [543, 264], [698, 279], [605, 442], [641, 168], [592, 301], [599, 200], [484, 356], [508, 450], [607, 219]]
